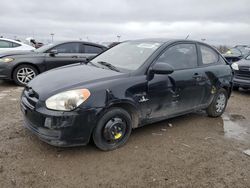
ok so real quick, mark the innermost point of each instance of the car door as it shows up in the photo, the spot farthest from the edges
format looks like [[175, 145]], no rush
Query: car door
[[63, 54], [180, 91]]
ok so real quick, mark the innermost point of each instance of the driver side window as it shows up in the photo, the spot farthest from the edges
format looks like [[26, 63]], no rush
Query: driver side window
[[5, 44], [68, 48], [180, 56]]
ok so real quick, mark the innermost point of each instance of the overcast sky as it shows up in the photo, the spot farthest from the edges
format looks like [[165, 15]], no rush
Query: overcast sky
[[217, 21]]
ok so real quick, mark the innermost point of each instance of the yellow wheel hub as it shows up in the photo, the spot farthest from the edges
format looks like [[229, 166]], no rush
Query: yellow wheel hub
[[118, 135]]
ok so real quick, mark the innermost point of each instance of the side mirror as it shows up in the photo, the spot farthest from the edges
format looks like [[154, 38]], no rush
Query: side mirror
[[53, 52], [162, 68], [89, 58]]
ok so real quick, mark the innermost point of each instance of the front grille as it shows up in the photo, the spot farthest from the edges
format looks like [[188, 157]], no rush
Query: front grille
[[42, 132], [243, 72], [30, 98], [244, 68]]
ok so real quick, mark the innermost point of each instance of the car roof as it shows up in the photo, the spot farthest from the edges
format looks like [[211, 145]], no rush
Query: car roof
[[11, 40], [81, 41], [164, 40]]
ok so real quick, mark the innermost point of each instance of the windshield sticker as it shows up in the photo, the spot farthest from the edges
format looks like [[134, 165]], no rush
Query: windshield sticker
[[149, 45]]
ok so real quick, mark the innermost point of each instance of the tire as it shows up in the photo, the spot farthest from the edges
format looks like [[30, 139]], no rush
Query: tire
[[113, 129], [219, 103], [23, 74]]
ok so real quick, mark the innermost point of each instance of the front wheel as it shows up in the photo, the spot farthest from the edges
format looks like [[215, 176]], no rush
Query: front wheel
[[23, 74], [113, 129], [219, 103]]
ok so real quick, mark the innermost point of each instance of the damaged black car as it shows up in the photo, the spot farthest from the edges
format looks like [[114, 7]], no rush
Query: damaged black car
[[130, 85]]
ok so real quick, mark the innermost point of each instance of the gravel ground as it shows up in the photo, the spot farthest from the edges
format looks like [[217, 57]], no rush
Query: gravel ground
[[189, 151]]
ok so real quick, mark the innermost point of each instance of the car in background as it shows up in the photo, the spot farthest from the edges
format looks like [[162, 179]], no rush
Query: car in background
[[24, 66], [36, 44], [237, 53], [242, 73], [7, 45], [130, 85]]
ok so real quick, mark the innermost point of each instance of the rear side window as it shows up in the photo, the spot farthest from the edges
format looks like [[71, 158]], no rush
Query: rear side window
[[180, 56], [88, 49], [209, 56], [14, 45], [5, 44], [73, 47]]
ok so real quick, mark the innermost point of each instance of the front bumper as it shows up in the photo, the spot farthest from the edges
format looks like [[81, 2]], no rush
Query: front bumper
[[62, 129], [241, 82], [5, 70]]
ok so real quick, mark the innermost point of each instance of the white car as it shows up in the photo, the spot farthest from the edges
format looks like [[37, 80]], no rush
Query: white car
[[12, 45]]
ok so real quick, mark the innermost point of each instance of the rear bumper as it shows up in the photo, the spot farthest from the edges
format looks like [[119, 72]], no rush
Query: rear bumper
[[239, 82]]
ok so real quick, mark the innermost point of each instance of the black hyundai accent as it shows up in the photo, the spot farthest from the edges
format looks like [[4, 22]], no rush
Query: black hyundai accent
[[130, 85]]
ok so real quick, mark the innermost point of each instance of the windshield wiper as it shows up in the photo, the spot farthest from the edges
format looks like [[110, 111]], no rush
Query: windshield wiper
[[110, 66], [89, 62]]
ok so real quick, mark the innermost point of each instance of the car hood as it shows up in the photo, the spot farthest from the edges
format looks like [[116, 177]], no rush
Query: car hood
[[244, 62], [17, 52], [69, 77]]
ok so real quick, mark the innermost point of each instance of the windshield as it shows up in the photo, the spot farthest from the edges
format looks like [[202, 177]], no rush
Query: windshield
[[128, 55], [44, 48], [242, 51]]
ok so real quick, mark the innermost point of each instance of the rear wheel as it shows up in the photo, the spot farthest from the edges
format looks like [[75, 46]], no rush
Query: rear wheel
[[23, 74], [113, 129], [219, 103]]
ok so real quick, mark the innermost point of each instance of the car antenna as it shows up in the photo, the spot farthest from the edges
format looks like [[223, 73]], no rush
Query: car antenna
[[187, 37]]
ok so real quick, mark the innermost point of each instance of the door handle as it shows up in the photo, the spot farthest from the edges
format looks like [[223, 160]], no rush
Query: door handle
[[197, 76], [74, 56]]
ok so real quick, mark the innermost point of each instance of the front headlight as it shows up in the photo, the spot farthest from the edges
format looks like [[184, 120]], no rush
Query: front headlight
[[68, 100], [235, 66], [6, 60]]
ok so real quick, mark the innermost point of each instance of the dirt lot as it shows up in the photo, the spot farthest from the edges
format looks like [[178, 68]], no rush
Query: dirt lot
[[188, 151]]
